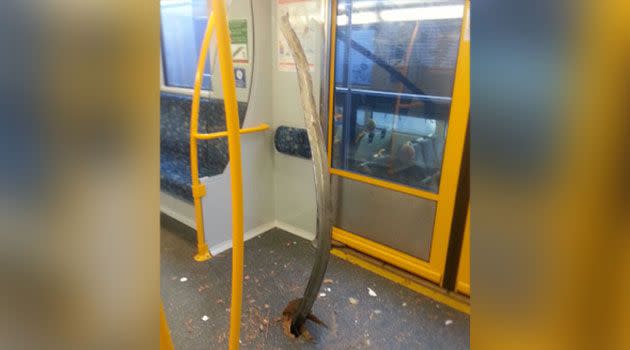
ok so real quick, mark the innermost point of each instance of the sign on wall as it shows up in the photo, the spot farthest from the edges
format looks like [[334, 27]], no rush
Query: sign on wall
[[240, 77], [304, 17], [238, 36]]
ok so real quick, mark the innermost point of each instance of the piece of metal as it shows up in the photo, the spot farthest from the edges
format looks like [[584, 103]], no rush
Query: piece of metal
[[317, 140]]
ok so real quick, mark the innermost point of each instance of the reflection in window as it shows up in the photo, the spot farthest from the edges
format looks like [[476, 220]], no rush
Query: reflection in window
[[183, 26], [395, 66]]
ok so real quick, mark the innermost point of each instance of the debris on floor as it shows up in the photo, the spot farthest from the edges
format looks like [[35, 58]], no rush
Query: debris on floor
[[183, 279], [414, 321], [448, 322], [287, 318], [371, 292]]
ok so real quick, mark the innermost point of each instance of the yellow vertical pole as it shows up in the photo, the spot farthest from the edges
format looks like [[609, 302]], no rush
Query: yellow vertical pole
[[236, 178], [199, 189], [165, 335]]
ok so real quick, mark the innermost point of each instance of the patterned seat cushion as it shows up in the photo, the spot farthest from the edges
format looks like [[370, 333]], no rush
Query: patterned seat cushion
[[175, 142], [175, 176]]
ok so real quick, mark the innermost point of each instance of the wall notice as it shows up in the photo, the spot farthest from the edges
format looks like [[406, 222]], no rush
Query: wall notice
[[238, 36], [304, 16], [240, 78]]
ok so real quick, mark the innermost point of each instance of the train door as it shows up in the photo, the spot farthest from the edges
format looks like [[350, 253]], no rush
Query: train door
[[399, 82]]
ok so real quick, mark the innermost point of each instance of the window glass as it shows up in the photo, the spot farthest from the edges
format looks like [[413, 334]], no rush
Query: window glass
[[394, 71], [183, 26]]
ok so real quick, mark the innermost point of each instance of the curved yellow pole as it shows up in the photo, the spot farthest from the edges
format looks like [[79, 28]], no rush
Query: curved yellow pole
[[199, 189], [165, 334], [236, 178]]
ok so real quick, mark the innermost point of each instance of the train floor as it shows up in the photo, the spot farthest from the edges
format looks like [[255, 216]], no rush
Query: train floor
[[360, 308]]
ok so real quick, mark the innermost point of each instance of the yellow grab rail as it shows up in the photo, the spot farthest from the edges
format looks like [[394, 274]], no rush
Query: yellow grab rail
[[236, 178], [198, 189], [216, 135], [219, 17], [165, 334]]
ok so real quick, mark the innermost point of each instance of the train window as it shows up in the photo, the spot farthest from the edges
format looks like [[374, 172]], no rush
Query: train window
[[394, 72], [183, 23]]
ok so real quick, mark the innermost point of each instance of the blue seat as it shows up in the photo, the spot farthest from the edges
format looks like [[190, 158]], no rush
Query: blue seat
[[175, 142], [175, 176]]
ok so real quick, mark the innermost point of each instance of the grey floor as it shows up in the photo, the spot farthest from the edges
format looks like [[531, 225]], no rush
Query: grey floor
[[277, 265]]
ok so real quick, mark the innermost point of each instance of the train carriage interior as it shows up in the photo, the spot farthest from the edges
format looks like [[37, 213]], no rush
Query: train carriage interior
[[387, 266], [299, 174]]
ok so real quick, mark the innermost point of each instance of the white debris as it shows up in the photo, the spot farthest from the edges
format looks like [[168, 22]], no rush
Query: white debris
[[448, 322], [183, 279], [205, 318], [328, 289], [377, 311], [353, 301], [367, 342], [322, 294], [404, 304], [371, 292]]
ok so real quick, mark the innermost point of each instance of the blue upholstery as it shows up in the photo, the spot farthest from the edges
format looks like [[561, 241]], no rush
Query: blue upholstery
[[292, 141], [175, 142]]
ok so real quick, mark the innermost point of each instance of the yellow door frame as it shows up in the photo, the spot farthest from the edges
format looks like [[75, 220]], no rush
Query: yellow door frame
[[463, 272], [433, 269]]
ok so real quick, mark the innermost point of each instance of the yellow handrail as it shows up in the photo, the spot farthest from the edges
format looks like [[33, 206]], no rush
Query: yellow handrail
[[216, 135], [165, 334], [198, 189], [236, 185], [219, 17]]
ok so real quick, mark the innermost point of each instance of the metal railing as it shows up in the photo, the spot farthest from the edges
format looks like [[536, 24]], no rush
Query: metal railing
[[218, 21]]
